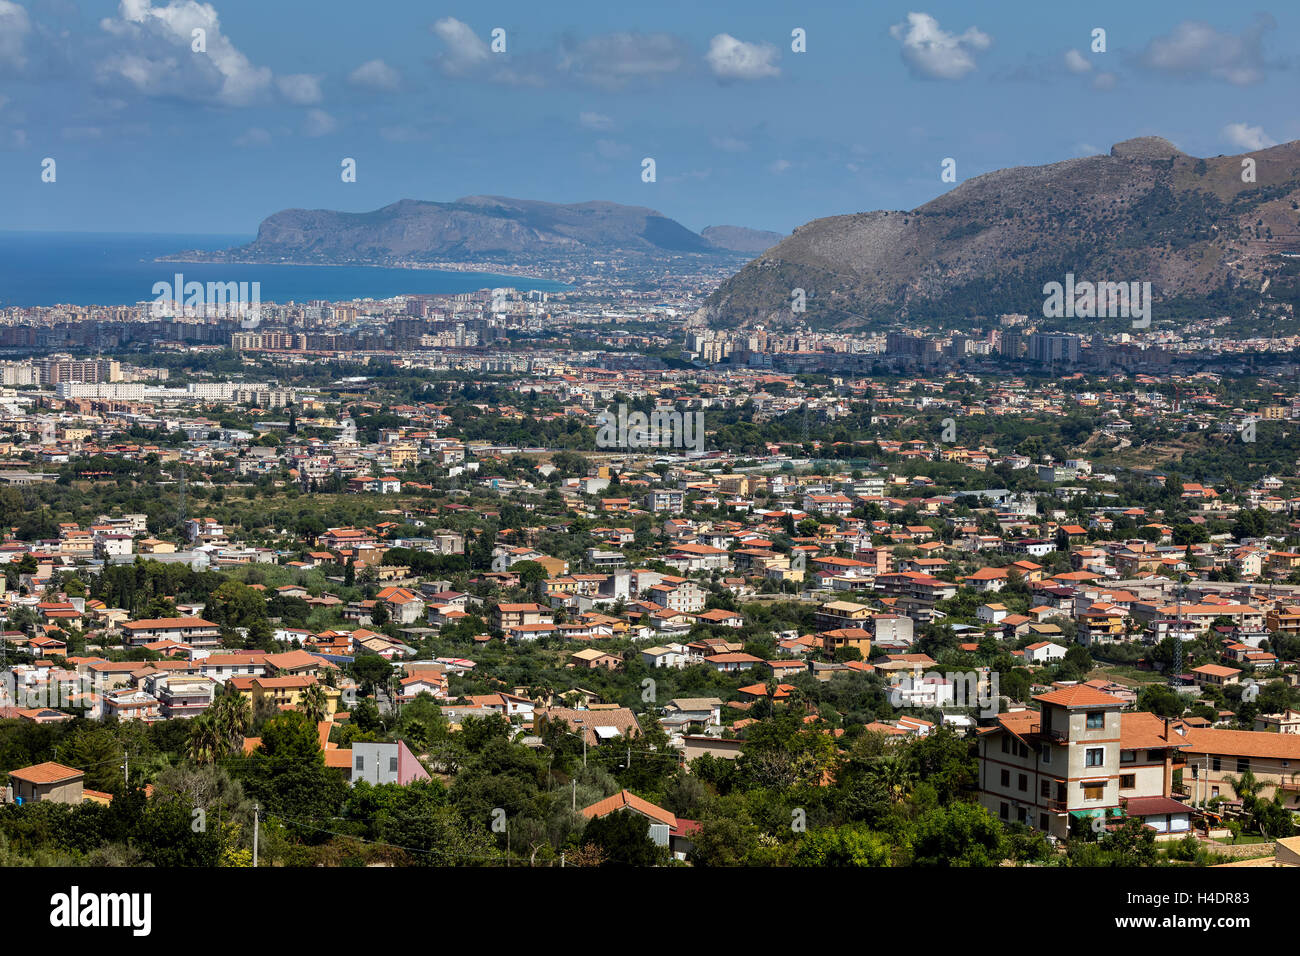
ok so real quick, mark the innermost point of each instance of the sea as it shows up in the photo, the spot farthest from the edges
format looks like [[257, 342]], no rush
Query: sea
[[82, 268]]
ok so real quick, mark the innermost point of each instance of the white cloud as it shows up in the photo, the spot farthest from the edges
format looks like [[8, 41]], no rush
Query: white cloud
[[612, 60], [319, 123], [463, 49], [300, 89], [14, 27], [596, 121], [158, 59], [932, 53], [1104, 81], [1249, 138], [1196, 49], [1076, 62], [780, 166], [375, 75], [729, 144], [253, 136], [14, 139], [732, 59], [609, 149]]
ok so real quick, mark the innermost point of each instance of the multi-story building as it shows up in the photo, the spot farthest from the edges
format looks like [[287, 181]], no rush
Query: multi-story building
[[1077, 757]]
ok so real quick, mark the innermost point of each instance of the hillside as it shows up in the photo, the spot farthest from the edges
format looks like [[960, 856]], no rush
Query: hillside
[[473, 229], [1145, 212]]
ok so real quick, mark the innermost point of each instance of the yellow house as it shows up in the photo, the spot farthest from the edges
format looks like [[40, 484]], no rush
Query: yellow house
[[284, 692]]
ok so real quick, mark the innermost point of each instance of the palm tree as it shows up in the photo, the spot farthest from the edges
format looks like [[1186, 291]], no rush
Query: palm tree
[[1247, 787], [897, 777], [314, 703], [206, 742], [232, 714]]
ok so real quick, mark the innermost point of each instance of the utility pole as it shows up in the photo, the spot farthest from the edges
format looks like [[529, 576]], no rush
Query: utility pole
[[575, 795], [257, 811]]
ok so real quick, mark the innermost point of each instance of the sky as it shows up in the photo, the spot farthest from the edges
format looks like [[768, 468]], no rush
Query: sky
[[154, 129]]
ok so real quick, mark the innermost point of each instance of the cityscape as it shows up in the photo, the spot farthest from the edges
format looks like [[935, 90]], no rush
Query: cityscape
[[964, 536]]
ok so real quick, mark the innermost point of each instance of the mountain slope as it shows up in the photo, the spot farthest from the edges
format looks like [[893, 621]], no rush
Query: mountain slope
[[740, 239], [1146, 212], [474, 228]]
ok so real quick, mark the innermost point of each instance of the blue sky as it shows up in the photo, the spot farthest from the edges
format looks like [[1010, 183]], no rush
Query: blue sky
[[150, 136]]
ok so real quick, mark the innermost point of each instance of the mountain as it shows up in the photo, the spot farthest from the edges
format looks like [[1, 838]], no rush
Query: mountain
[[1146, 212], [740, 239], [474, 229]]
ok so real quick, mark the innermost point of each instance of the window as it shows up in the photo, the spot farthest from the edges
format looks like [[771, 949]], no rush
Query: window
[[1128, 756], [1243, 764], [1006, 778], [1045, 789], [1023, 782], [361, 762], [1047, 753], [392, 765], [1094, 756], [1216, 763], [1042, 821], [1096, 720], [1127, 781], [1006, 745], [1155, 756], [1093, 791], [1004, 812]]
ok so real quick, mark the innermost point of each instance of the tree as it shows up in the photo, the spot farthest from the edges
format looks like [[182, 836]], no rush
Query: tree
[[287, 772], [623, 838], [842, 846], [234, 604], [371, 671], [962, 834], [206, 743], [314, 703]]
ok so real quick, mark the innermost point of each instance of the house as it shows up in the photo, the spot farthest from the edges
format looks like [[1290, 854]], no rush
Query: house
[[1215, 675], [404, 606], [681, 712], [1077, 757], [661, 821], [378, 763], [47, 783], [841, 614], [729, 662], [596, 726], [1167, 817], [1210, 756], [670, 655], [194, 631], [722, 618], [431, 681], [855, 637], [1043, 652], [522, 615], [589, 658]]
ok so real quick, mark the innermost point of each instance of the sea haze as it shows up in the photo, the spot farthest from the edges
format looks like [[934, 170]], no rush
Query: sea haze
[[51, 268]]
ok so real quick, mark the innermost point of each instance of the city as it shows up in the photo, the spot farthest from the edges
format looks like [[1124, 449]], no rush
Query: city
[[363, 526]]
